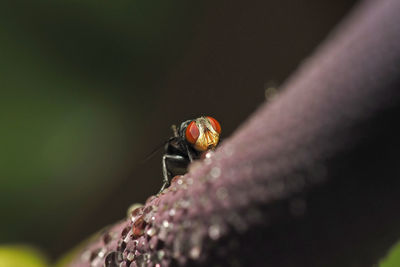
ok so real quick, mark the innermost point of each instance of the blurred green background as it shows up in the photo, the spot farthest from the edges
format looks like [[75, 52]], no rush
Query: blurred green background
[[89, 88]]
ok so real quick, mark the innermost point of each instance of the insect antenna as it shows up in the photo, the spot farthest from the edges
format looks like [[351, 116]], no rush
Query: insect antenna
[[154, 152]]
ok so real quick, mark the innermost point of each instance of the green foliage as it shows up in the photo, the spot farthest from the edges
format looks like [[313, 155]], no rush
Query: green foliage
[[393, 258], [75, 80], [21, 256]]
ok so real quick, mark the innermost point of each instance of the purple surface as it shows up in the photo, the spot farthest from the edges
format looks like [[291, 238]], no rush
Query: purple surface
[[308, 180]]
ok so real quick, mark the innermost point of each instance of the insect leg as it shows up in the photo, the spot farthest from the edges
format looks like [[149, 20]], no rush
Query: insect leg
[[165, 168], [190, 154]]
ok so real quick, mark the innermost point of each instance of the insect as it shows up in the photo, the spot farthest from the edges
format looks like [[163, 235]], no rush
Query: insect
[[189, 142]]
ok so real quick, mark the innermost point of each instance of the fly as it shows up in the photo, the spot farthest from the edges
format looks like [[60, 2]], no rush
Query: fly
[[189, 142]]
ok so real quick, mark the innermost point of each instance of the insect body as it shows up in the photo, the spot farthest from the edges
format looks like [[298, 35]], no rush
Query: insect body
[[190, 141]]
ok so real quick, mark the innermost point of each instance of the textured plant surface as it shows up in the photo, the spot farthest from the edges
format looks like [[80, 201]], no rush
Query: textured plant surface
[[311, 179]]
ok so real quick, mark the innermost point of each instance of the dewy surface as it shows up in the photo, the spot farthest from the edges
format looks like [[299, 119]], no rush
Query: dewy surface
[[292, 187]]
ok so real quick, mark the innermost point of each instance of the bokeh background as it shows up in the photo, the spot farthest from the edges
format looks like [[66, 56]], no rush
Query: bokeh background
[[88, 89]]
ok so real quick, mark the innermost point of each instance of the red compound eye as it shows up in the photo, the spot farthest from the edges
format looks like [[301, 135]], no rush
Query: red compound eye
[[192, 132], [215, 124]]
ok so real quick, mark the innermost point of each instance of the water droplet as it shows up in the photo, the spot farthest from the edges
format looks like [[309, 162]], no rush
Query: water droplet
[[177, 245], [148, 213], [172, 212], [154, 243], [96, 262], [130, 246], [162, 234], [142, 260], [184, 203], [215, 172], [135, 211], [176, 177], [151, 231], [209, 154], [165, 224], [125, 232], [102, 252], [130, 256], [142, 245], [128, 236], [106, 238], [214, 231], [195, 253], [138, 227], [196, 241], [113, 259], [160, 255], [121, 245]]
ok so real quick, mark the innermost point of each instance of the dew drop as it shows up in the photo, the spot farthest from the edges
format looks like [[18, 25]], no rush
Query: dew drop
[[177, 245], [160, 255], [138, 227], [107, 238], [165, 224], [130, 256], [162, 234], [196, 241], [135, 211], [96, 262], [151, 231], [148, 213], [172, 212], [176, 178], [125, 232], [215, 172], [184, 203], [214, 231], [195, 252], [209, 154], [128, 236], [142, 260], [121, 245], [154, 243], [113, 259]]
